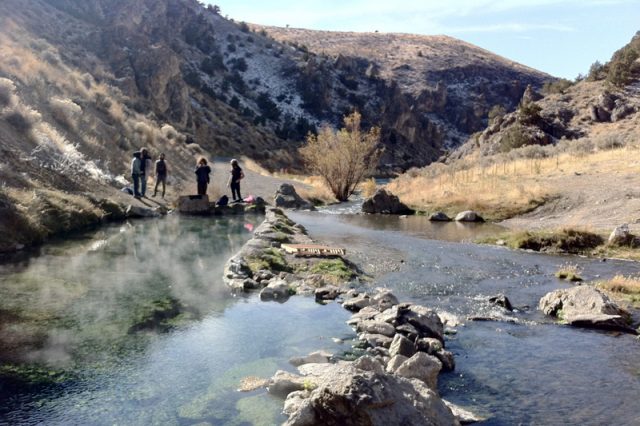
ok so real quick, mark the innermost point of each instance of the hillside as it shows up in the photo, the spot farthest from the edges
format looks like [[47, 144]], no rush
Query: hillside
[[83, 84], [566, 157], [440, 89]]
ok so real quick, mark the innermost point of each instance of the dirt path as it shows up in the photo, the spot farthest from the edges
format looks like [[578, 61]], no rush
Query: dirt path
[[253, 184], [596, 200]]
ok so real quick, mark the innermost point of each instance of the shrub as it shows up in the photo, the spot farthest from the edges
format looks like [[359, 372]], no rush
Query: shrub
[[608, 142], [556, 86], [596, 72], [22, 118], [621, 66], [65, 112], [144, 133], [7, 93], [343, 158], [514, 137], [268, 108], [496, 113], [529, 113], [244, 27]]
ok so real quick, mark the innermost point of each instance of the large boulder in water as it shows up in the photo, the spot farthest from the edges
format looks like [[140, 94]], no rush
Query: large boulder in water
[[469, 216], [384, 202], [585, 306], [287, 197], [346, 395]]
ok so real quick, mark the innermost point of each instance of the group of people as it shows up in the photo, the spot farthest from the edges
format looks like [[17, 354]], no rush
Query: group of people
[[141, 164], [203, 171]]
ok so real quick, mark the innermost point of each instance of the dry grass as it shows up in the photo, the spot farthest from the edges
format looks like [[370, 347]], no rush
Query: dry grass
[[504, 186], [66, 112], [569, 273], [316, 191], [621, 284], [624, 288], [368, 187]]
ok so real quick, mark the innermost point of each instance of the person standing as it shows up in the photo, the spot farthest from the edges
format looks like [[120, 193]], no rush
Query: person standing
[[135, 173], [202, 175], [161, 175], [145, 165], [234, 180]]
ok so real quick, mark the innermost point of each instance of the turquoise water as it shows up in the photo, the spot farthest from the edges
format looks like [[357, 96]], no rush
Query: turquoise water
[[133, 325]]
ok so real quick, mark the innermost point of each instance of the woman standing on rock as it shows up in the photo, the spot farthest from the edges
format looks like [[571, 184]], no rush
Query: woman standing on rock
[[234, 180], [202, 175]]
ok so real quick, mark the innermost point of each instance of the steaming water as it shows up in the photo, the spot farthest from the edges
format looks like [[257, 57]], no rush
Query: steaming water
[[132, 325]]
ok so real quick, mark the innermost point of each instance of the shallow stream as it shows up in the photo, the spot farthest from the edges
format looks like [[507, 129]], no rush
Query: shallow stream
[[133, 325]]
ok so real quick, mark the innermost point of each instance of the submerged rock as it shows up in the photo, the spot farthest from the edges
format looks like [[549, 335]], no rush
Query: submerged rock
[[384, 202], [469, 216], [585, 306], [439, 217], [136, 212], [502, 301]]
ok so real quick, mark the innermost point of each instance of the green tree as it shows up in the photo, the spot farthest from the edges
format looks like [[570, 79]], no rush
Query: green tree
[[343, 158]]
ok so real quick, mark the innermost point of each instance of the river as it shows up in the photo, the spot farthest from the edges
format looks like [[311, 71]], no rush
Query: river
[[133, 325]]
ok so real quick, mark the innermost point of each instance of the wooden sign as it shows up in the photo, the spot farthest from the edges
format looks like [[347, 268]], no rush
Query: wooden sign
[[313, 250]]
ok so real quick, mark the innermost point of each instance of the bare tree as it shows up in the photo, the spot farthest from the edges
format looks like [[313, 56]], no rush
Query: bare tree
[[343, 158]]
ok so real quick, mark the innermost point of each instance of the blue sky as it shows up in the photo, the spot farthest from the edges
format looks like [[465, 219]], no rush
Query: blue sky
[[560, 37]]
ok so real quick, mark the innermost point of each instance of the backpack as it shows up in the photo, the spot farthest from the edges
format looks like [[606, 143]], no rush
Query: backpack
[[223, 201]]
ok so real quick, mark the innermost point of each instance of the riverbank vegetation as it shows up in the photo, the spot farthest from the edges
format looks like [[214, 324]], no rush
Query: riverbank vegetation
[[572, 241], [343, 158], [627, 288]]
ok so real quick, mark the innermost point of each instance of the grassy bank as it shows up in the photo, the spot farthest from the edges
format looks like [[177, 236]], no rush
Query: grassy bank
[[507, 185], [572, 241]]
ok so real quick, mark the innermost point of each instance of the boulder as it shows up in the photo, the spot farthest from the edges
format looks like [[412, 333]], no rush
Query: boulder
[[283, 383], [469, 216], [402, 346], [276, 290], [422, 367], [384, 299], [287, 197], [425, 320], [429, 345], [585, 306], [384, 202], [357, 303], [439, 217], [329, 292], [447, 359], [374, 340], [348, 396], [621, 236], [318, 357], [376, 327], [368, 363], [194, 204], [137, 212], [502, 301], [395, 362]]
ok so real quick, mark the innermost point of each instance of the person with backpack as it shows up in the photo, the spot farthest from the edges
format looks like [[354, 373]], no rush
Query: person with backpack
[[161, 175], [202, 176], [135, 173], [236, 175], [145, 164]]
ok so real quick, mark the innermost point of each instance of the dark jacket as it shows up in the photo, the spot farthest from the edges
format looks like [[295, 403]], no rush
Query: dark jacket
[[202, 173], [161, 168]]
